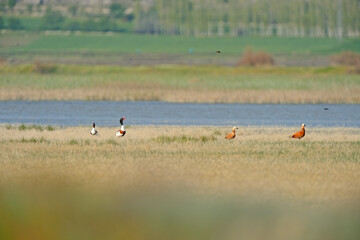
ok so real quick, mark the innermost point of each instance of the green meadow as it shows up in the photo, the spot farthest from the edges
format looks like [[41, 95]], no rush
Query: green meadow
[[135, 49], [132, 43]]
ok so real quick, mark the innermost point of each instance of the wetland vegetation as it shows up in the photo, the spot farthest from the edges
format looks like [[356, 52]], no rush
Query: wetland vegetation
[[54, 180]]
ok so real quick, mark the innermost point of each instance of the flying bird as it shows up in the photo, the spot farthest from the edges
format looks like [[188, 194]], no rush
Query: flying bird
[[300, 134], [93, 130], [232, 134], [121, 132]]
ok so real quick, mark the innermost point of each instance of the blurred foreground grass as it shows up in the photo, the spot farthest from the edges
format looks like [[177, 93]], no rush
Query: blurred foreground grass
[[179, 183], [180, 83]]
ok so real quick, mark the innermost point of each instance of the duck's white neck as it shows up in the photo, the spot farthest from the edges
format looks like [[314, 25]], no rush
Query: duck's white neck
[[122, 127]]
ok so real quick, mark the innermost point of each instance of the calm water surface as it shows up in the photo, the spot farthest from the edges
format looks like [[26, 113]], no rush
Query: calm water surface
[[107, 113]]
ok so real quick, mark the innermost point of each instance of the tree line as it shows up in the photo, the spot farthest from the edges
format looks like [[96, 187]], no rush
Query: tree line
[[291, 18], [294, 18]]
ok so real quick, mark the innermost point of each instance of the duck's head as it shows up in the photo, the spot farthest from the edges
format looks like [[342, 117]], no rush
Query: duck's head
[[122, 119], [93, 125], [234, 128], [303, 125]]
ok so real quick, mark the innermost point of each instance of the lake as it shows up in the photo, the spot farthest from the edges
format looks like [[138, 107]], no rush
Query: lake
[[108, 113]]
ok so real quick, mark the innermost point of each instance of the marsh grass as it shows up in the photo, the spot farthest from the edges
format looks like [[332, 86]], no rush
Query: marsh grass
[[182, 84], [183, 139], [167, 154], [44, 68], [172, 182], [24, 127]]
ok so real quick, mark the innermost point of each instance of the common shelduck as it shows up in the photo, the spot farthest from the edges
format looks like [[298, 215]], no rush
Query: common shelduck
[[122, 131], [232, 134], [300, 134], [93, 130]]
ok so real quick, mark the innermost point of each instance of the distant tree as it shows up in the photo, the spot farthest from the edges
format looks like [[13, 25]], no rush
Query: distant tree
[[11, 4], [148, 22], [2, 6], [52, 20], [73, 25], [137, 14], [116, 10], [73, 8], [88, 25], [1, 22], [129, 15], [105, 24], [29, 8], [14, 24]]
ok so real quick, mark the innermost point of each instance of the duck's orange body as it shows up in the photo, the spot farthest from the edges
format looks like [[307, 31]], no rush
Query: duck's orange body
[[232, 134], [300, 134]]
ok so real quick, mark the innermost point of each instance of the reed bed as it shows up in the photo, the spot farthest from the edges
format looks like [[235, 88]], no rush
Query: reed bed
[[172, 182], [181, 84], [182, 95]]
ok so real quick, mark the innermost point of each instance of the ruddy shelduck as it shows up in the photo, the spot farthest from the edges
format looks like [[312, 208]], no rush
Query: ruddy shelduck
[[121, 132], [232, 134], [300, 134]]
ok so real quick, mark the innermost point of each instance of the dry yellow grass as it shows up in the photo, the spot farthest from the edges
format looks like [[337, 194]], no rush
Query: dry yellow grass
[[351, 95], [261, 163], [171, 182]]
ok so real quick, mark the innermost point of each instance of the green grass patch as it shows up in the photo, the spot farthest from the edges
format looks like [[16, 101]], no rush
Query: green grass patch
[[183, 139], [50, 128], [112, 142], [31, 140], [137, 44], [73, 142], [24, 127], [179, 77]]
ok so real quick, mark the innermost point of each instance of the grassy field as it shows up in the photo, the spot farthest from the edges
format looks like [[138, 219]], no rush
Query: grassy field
[[181, 83], [179, 183], [132, 43], [132, 49]]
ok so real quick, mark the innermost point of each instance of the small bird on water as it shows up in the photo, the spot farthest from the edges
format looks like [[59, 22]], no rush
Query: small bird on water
[[232, 134], [218, 51]]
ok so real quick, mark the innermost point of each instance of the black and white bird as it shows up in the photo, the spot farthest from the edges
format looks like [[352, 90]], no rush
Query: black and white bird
[[93, 130], [121, 132]]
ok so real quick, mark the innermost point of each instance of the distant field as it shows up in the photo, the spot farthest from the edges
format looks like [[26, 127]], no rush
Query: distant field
[[131, 43], [179, 183], [181, 84], [149, 49]]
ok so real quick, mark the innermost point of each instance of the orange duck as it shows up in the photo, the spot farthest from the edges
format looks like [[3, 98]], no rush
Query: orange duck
[[299, 134], [232, 134]]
